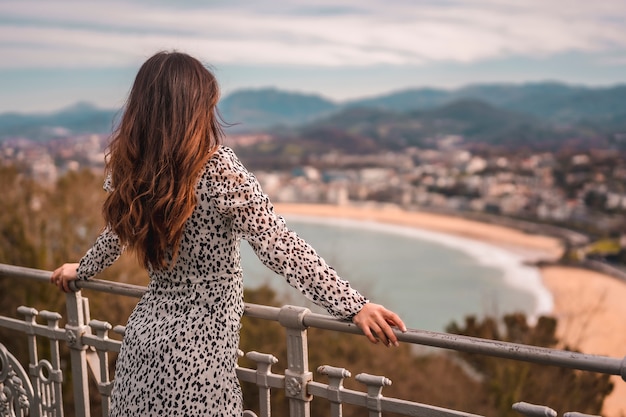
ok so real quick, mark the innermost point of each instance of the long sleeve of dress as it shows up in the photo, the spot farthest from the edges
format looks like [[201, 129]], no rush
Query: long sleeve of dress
[[102, 254], [104, 251], [237, 194]]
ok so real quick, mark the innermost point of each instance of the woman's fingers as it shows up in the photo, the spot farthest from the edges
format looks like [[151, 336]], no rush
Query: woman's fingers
[[367, 331], [62, 276], [57, 278], [375, 321], [384, 333], [394, 320], [65, 285]]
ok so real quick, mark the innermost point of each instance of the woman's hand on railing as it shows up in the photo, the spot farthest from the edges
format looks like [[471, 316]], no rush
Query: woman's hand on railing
[[375, 321], [62, 276]]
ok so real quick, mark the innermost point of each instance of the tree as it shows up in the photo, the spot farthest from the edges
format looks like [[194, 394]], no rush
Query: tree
[[43, 227], [508, 381]]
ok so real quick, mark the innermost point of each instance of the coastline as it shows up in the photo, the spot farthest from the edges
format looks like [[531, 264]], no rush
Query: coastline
[[534, 247], [588, 305]]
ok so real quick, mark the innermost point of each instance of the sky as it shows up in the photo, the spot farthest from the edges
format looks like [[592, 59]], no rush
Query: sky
[[56, 53]]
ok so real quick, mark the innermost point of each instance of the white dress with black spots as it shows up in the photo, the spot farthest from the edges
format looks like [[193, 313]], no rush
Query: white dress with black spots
[[179, 352]]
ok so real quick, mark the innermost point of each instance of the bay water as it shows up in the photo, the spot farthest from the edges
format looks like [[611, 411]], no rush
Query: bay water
[[430, 279]]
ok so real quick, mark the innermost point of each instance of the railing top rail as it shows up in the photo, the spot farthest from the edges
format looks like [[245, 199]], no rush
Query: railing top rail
[[111, 287], [527, 353], [13, 271]]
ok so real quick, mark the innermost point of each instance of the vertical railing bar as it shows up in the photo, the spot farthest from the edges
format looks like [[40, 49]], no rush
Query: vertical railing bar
[[54, 388], [75, 328], [375, 386], [264, 364], [533, 410], [297, 374], [334, 387], [101, 329], [30, 315]]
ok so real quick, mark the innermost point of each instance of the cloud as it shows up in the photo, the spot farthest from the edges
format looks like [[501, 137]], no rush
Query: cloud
[[79, 34]]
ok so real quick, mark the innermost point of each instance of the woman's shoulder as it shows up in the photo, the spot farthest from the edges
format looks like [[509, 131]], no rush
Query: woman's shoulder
[[225, 168], [224, 155]]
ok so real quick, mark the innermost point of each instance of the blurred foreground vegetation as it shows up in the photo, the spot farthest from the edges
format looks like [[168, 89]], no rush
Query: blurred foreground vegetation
[[43, 227]]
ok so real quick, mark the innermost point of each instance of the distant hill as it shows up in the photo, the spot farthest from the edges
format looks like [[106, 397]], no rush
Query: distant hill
[[550, 101], [79, 118], [360, 130], [405, 100], [493, 113], [269, 107], [378, 129]]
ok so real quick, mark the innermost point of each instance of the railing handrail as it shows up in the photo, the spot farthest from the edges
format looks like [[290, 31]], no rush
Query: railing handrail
[[468, 344]]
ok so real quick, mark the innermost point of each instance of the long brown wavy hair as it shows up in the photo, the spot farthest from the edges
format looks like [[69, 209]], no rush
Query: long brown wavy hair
[[168, 131]]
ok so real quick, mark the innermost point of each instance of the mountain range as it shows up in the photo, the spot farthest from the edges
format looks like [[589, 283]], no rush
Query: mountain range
[[494, 113], [549, 101]]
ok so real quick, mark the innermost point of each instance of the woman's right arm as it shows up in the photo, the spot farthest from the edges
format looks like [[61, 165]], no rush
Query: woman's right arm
[[238, 196]]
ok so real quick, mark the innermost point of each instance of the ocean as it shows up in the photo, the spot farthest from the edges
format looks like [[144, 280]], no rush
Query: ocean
[[430, 279]]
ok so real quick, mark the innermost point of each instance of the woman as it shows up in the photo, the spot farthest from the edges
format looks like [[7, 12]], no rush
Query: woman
[[182, 202]]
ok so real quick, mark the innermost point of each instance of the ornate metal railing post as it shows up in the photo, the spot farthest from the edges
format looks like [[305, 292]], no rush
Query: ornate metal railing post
[[77, 316], [30, 317], [297, 374], [16, 393], [532, 410], [99, 363], [49, 388], [46, 377], [335, 387], [375, 386], [264, 364]]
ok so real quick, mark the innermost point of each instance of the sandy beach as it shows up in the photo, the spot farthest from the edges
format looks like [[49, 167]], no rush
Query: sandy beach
[[589, 306]]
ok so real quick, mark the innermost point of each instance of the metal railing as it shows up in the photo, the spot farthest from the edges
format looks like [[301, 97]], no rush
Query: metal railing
[[38, 391]]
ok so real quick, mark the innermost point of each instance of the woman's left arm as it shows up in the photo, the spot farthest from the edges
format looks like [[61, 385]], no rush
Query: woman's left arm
[[102, 254]]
